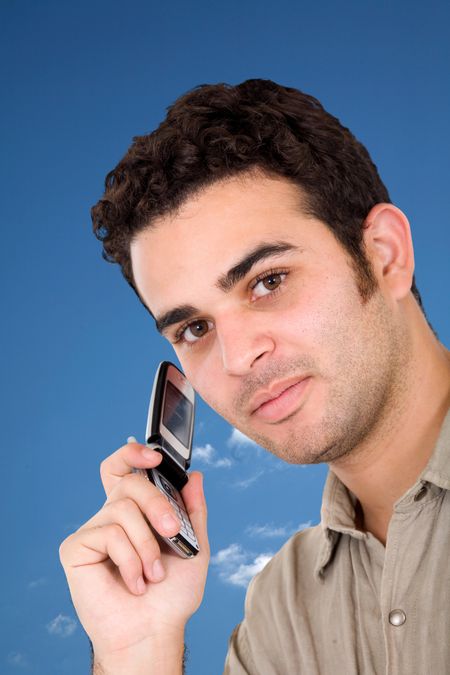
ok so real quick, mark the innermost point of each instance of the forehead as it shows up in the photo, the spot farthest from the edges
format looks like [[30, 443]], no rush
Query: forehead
[[210, 232]]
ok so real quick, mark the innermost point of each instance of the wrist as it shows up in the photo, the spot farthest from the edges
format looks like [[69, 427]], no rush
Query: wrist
[[154, 656]]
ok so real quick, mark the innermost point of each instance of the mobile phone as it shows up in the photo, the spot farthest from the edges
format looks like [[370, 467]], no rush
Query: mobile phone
[[170, 429]]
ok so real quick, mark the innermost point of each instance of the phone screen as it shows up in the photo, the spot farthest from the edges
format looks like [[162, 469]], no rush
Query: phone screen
[[177, 413]]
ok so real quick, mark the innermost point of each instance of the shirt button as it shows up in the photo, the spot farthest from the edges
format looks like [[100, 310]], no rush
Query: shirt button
[[397, 617]]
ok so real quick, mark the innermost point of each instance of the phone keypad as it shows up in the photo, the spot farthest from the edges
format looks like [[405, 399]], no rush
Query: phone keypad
[[163, 486], [186, 527], [174, 498]]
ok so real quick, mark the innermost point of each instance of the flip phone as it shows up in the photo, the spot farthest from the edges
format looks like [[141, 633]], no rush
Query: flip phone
[[170, 428]]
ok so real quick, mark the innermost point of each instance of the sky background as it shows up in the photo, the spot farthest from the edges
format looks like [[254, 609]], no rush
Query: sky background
[[79, 80]]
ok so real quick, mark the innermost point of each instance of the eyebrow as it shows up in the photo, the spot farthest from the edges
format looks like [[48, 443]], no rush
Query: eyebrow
[[226, 282]]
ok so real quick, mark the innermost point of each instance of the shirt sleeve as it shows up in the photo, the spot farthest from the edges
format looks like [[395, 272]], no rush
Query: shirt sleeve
[[239, 660]]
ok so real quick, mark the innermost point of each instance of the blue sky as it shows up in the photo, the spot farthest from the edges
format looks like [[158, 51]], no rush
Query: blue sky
[[78, 352]]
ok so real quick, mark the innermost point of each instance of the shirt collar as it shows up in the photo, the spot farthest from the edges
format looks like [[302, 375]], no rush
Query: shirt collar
[[437, 471], [338, 503]]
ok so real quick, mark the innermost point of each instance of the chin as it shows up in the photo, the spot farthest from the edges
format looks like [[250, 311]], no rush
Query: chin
[[298, 444]]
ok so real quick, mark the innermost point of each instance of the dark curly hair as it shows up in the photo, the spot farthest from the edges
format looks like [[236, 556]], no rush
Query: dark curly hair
[[217, 131]]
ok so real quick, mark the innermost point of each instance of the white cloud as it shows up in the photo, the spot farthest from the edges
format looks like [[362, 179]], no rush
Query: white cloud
[[246, 482], [35, 583], [229, 556], [236, 566], [203, 453], [17, 659], [237, 438], [245, 572], [62, 625], [269, 530], [207, 455]]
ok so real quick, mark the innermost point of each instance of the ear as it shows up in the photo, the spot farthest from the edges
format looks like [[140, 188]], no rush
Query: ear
[[387, 238]]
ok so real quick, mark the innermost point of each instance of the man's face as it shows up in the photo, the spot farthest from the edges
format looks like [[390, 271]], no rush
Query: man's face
[[262, 307]]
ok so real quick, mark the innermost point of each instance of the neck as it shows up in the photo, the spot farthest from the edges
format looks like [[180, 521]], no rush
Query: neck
[[388, 463]]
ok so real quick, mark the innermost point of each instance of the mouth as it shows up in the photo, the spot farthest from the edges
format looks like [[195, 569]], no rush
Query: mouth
[[281, 401]]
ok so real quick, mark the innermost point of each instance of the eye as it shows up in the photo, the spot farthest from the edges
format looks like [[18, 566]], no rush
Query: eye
[[194, 330], [268, 284]]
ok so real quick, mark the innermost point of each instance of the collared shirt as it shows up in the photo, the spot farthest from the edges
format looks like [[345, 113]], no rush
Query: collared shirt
[[335, 601]]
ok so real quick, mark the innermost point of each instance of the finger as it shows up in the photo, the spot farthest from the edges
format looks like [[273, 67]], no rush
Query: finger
[[194, 499], [153, 504], [129, 456], [126, 513], [95, 545]]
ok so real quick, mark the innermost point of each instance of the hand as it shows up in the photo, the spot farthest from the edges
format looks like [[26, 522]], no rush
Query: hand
[[129, 593]]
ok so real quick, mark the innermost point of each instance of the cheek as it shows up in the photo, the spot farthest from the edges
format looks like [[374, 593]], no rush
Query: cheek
[[210, 383], [306, 317], [199, 375], [322, 320]]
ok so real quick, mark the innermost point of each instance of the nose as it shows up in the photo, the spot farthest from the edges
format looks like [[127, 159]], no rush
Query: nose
[[243, 340]]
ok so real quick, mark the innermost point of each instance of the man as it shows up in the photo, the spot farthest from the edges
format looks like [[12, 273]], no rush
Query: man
[[257, 232]]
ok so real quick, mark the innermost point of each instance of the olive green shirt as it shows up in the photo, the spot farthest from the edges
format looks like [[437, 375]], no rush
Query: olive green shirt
[[335, 601]]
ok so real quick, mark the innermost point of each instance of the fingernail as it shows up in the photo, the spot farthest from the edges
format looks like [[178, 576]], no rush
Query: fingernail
[[132, 439], [140, 585], [157, 570], [169, 522]]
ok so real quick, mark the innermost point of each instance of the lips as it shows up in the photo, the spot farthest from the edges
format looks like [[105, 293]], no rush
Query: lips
[[274, 392], [274, 409]]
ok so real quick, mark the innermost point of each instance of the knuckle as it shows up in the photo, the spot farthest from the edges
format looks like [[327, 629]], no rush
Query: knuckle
[[123, 507], [63, 549], [131, 479], [104, 467], [128, 506], [115, 532]]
